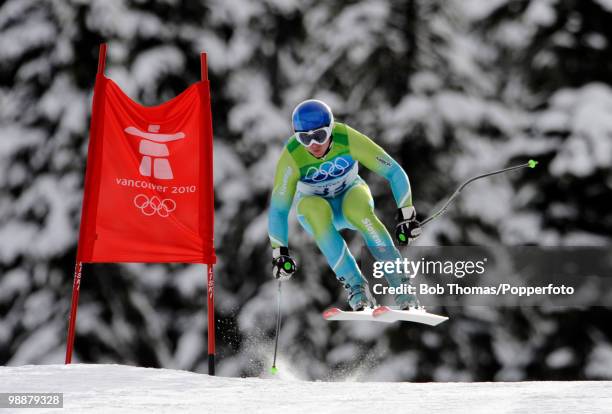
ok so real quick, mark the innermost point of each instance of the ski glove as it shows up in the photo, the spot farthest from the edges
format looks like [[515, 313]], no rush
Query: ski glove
[[408, 228], [283, 265]]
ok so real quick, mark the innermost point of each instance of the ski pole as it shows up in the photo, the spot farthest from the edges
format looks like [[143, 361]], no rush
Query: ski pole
[[529, 164], [274, 370]]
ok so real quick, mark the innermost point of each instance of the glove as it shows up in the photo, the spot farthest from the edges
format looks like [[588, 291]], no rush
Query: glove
[[283, 266], [408, 228]]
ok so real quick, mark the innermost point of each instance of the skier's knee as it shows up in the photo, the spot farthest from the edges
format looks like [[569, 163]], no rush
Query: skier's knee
[[358, 205], [359, 214]]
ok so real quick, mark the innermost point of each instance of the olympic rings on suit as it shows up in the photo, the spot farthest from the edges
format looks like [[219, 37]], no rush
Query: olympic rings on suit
[[335, 168]]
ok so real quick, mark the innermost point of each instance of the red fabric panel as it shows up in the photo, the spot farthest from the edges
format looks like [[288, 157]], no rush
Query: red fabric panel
[[148, 186]]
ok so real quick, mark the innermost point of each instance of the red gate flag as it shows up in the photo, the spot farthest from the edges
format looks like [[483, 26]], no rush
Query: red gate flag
[[148, 186]]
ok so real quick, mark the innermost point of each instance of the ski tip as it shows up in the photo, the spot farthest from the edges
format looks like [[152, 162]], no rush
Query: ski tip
[[273, 370], [532, 163], [328, 313], [442, 319], [380, 311]]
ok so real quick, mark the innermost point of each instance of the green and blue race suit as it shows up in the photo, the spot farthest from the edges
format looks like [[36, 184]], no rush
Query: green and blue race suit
[[330, 195]]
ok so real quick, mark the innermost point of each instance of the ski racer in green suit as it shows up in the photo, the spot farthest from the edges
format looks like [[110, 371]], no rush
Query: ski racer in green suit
[[318, 172]]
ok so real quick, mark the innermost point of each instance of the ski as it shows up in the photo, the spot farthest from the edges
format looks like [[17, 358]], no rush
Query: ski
[[419, 315], [336, 314], [385, 314]]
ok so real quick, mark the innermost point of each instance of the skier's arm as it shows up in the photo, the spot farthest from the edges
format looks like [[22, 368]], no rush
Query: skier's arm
[[285, 183], [374, 158]]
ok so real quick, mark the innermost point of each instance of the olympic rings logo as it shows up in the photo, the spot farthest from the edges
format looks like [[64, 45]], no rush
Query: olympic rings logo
[[328, 169], [150, 206]]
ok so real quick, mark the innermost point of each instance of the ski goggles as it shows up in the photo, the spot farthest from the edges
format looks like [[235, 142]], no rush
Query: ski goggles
[[316, 136]]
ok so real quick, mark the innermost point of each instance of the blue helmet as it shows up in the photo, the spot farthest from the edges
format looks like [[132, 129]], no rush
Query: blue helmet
[[311, 114]]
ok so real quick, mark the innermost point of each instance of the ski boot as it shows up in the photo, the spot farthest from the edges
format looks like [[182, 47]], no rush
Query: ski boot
[[358, 298], [406, 301]]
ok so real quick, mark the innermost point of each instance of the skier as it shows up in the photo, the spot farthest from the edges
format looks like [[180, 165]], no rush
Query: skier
[[318, 171]]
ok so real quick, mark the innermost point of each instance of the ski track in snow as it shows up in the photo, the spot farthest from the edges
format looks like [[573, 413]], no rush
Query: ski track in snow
[[124, 389]]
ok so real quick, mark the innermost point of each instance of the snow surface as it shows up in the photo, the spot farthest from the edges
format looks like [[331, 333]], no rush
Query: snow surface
[[116, 388]]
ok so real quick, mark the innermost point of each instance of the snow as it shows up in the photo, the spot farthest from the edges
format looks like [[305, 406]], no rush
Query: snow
[[605, 4], [33, 33], [115, 388], [596, 41], [12, 283], [477, 9], [14, 139], [31, 350], [57, 234], [189, 346], [560, 358], [156, 62], [600, 361], [541, 13], [584, 150]]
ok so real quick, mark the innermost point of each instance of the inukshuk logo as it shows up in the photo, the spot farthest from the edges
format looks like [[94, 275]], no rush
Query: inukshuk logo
[[154, 151], [154, 162]]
